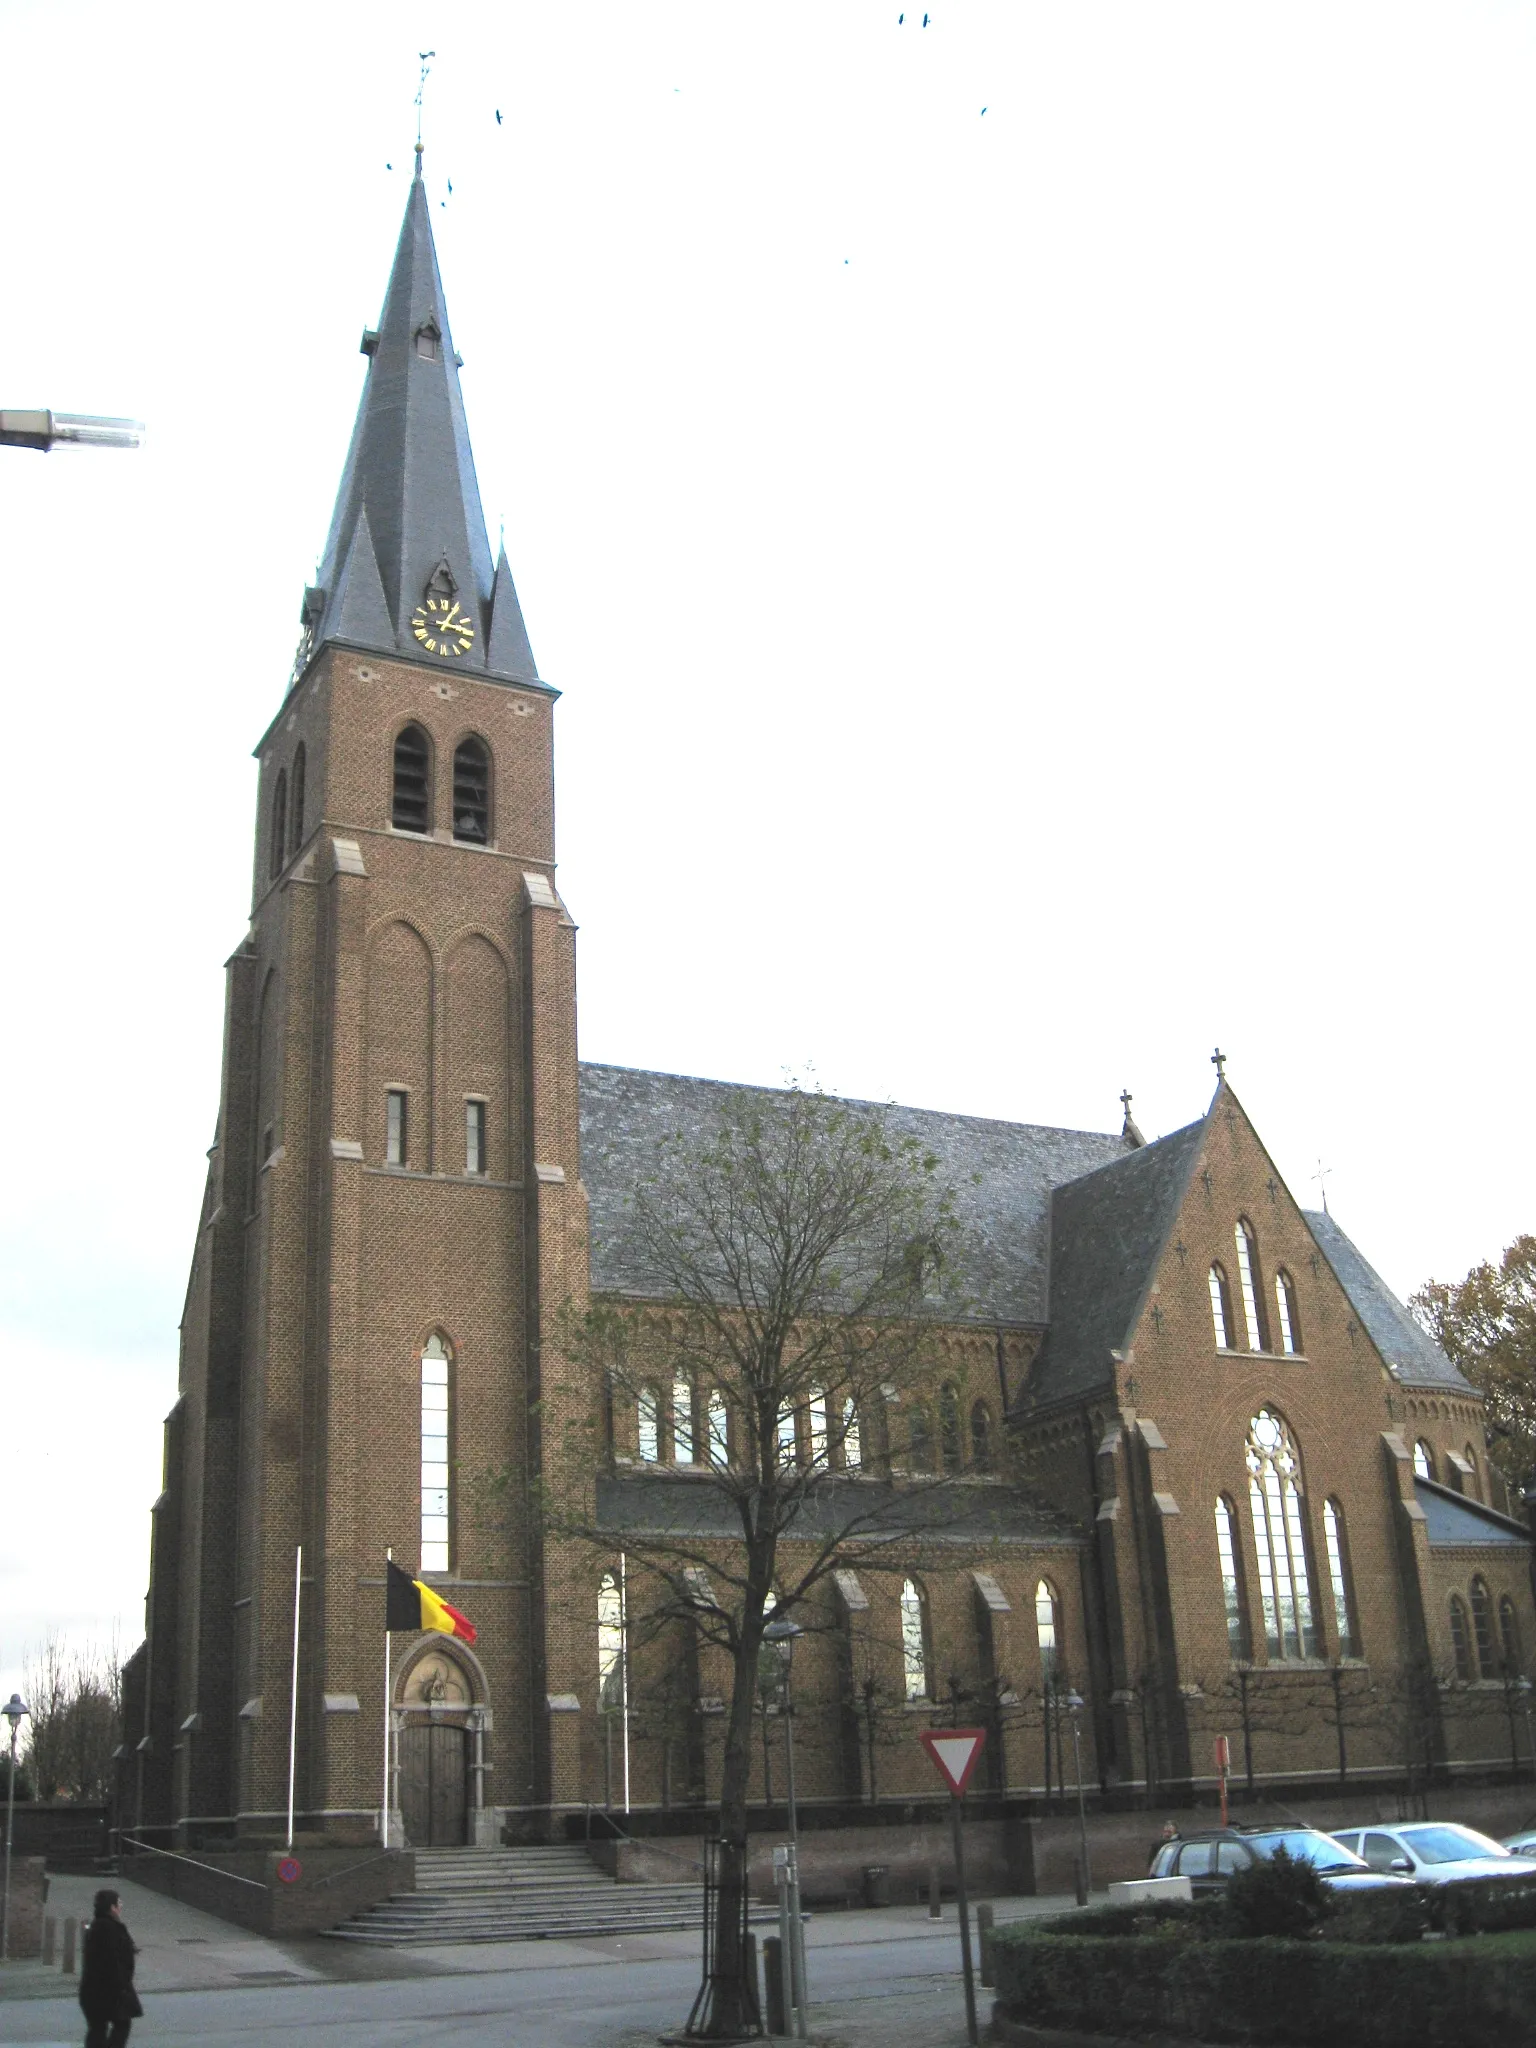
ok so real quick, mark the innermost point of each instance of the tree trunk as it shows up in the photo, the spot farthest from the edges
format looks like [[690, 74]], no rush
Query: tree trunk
[[730, 2008]]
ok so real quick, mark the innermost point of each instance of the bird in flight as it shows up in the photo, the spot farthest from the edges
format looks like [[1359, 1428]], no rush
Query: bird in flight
[[498, 117]]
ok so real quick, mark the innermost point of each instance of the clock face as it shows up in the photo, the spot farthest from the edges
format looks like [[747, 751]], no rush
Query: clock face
[[441, 627]]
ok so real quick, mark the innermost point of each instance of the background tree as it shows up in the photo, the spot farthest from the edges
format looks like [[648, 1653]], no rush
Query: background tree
[[1486, 1325], [796, 1255], [75, 1697]]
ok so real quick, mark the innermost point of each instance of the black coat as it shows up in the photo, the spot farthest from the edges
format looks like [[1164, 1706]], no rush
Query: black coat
[[106, 1972]]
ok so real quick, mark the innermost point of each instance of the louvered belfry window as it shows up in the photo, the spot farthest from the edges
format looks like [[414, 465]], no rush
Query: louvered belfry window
[[411, 810], [472, 792]]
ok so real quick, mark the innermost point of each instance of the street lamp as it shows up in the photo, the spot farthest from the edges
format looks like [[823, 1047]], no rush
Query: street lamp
[[1524, 1688], [782, 1637], [1074, 1706], [15, 1711], [43, 430]]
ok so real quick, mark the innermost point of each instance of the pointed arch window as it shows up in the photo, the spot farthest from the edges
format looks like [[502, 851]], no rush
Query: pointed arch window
[[1247, 1245], [1461, 1638], [788, 1436], [1231, 1579], [1423, 1460], [817, 1415], [920, 1439], [610, 1645], [428, 340], [411, 805], [277, 849], [436, 1516], [949, 1427], [914, 1640], [1509, 1636], [472, 792], [296, 802], [1474, 1479], [1482, 1630], [1221, 1307], [981, 1437], [648, 1426], [1048, 1634], [853, 1450], [1274, 1497], [719, 1429], [1287, 1321], [682, 1420], [1336, 1542]]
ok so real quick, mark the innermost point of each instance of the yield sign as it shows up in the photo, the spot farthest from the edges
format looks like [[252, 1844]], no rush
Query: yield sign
[[954, 1752]]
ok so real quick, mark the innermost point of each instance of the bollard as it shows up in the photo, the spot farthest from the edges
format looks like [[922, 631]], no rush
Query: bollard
[[773, 1974], [69, 1948], [935, 1908], [984, 1938], [50, 1936]]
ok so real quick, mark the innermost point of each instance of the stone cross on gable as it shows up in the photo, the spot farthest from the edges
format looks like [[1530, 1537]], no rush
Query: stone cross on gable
[[1219, 1062], [1125, 1100]]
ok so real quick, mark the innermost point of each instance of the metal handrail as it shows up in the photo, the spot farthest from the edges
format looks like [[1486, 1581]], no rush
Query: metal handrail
[[366, 1864], [176, 1857], [621, 1835]]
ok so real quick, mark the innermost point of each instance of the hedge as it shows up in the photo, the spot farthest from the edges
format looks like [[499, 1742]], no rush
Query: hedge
[[1434, 1995]]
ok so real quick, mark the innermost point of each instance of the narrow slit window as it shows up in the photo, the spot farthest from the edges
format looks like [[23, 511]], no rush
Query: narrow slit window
[[789, 1452], [1286, 1318], [920, 1440], [981, 1437], [1221, 1307], [428, 339], [1474, 1483], [1048, 1634], [949, 1427], [1231, 1581], [296, 801], [682, 1421], [818, 1422], [1338, 1577], [472, 792], [1509, 1637], [411, 809], [277, 851], [914, 1644], [1423, 1460], [474, 1136], [397, 1106], [435, 1505], [1248, 1284]]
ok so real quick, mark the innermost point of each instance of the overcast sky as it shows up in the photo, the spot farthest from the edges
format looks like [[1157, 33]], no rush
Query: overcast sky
[[1031, 517]]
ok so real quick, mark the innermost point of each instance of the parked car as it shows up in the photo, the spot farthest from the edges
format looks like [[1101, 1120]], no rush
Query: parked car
[[1215, 1855], [1433, 1851], [1523, 1845]]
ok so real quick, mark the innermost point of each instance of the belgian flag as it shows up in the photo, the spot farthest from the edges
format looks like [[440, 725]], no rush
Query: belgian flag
[[411, 1606]]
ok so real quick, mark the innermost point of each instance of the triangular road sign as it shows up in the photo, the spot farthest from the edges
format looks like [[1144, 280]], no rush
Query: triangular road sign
[[954, 1752]]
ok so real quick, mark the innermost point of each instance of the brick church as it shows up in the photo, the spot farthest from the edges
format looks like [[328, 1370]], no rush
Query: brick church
[[1210, 1476]]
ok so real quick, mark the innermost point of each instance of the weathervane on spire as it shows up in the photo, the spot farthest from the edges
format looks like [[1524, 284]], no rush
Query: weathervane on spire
[[1321, 1177], [426, 57]]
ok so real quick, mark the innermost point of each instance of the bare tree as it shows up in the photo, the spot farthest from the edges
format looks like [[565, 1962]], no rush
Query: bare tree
[[75, 1696], [796, 1258]]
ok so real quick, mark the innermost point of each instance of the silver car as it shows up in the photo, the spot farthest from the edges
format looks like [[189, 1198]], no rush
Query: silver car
[[1433, 1851], [1524, 1844]]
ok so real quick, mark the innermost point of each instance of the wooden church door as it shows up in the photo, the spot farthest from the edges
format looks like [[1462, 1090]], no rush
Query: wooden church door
[[434, 1772]]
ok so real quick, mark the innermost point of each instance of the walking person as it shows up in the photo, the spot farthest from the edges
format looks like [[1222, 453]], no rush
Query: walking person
[[107, 1997]]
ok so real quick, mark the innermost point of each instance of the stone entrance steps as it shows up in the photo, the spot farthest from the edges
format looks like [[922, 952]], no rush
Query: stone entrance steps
[[520, 1895]]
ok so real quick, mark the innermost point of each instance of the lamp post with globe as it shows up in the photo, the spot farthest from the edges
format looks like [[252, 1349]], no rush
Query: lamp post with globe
[[782, 1636], [15, 1711], [1074, 1705]]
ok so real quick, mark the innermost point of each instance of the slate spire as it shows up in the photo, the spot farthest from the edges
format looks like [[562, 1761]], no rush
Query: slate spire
[[408, 511]]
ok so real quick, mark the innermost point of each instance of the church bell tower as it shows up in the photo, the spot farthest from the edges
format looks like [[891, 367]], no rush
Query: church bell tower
[[393, 1204]]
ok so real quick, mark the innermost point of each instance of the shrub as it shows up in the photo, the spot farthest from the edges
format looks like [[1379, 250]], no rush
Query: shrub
[[1280, 1895], [1487, 1905]]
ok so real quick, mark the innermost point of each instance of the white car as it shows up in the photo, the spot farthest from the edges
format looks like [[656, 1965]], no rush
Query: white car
[[1433, 1851], [1523, 1845]]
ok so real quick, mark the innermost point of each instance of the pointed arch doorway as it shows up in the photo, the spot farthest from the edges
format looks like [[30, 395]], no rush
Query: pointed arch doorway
[[439, 1724]]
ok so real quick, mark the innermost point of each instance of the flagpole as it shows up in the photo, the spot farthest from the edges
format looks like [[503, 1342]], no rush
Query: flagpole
[[384, 1807], [293, 1704], [624, 1667]]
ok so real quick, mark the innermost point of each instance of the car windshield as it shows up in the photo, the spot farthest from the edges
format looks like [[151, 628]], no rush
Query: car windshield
[[1450, 1845], [1307, 1848]]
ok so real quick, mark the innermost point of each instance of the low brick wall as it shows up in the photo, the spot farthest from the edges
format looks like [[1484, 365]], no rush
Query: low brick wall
[[29, 1889], [242, 1885]]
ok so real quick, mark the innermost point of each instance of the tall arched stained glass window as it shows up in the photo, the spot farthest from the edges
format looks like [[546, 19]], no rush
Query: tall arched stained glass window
[[1286, 1318], [1248, 1284], [1423, 1460], [1338, 1577], [949, 1427], [853, 1449], [682, 1420], [1231, 1579], [719, 1429], [648, 1425], [1482, 1630], [1461, 1639], [914, 1643], [1048, 1633], [1221, 1307], [1274, 1495]]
